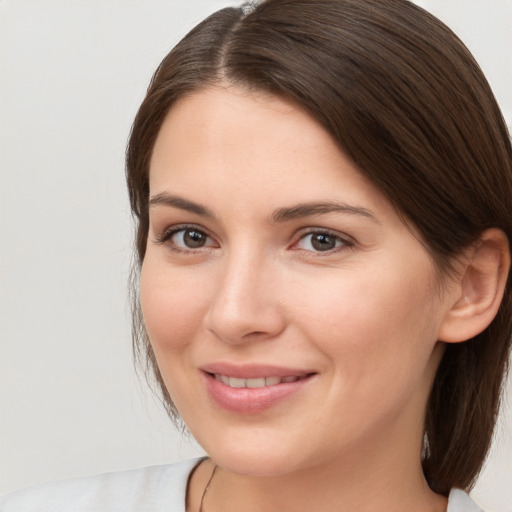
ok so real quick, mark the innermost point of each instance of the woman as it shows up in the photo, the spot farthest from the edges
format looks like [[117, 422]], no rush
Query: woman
[[322, 196]]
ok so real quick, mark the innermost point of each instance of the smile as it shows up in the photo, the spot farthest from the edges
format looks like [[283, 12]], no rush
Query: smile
[[261, 382], [253, 389]]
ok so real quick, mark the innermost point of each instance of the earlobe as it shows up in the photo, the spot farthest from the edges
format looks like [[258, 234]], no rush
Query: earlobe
[[480, 288]]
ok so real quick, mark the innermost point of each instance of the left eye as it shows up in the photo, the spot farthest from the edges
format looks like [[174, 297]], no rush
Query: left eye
[[320, 242]]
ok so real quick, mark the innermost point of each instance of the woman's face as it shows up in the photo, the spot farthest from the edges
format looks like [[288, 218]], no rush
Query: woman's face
[[293, 315]]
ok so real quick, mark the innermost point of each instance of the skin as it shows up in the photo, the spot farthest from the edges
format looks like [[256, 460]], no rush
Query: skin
[[365, 315]]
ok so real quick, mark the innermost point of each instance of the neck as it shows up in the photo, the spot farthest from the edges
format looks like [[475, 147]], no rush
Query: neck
[[390, 483]]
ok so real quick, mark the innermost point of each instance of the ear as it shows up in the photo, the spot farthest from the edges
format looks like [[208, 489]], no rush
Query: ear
[[479, 289]]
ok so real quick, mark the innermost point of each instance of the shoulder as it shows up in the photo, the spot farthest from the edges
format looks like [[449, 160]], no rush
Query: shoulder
[[151, 489], [459, 501]]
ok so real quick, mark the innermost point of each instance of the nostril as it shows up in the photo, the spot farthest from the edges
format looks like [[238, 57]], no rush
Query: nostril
[[254, 334]]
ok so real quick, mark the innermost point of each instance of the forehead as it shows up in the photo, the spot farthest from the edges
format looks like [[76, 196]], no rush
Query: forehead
[[241, 127], [226, 140]]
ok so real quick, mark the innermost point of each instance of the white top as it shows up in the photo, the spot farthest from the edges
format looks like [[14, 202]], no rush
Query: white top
[[152, 489]]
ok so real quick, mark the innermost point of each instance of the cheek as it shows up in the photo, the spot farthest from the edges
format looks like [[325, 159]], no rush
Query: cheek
[[379, 335], [376, 327], [172, 306]]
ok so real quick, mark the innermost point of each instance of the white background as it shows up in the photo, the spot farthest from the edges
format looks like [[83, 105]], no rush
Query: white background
[[72, 74]]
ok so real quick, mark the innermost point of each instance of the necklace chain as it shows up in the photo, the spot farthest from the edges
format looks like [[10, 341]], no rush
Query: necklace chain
[[206, 488]]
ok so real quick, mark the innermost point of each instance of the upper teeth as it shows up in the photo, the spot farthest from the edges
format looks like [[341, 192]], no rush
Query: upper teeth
[[236, 382]]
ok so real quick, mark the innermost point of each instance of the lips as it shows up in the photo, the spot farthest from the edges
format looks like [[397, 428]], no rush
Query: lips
[[251, 389]]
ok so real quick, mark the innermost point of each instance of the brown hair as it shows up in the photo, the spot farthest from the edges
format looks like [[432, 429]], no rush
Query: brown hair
[[407, 102]]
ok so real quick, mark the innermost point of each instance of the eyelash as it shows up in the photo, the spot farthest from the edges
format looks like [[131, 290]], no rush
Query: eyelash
[[341, 241], [166, 238], [344, 241]]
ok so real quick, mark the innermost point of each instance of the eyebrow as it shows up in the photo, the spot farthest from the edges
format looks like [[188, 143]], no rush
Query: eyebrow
[[182, 204], [307, 209], [280, 215]]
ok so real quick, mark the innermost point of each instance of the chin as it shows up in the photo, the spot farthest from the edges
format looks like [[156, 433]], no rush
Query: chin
[[257, 465], [254, 460]]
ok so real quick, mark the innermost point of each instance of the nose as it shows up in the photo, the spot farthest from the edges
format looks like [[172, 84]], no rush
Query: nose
[[245, 305]]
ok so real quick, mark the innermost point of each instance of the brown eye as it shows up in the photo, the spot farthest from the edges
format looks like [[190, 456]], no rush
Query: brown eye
[[321, 242], [189, 239]]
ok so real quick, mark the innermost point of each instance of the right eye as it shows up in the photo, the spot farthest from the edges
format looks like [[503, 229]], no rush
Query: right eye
[[186, 239], [189, 238]]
